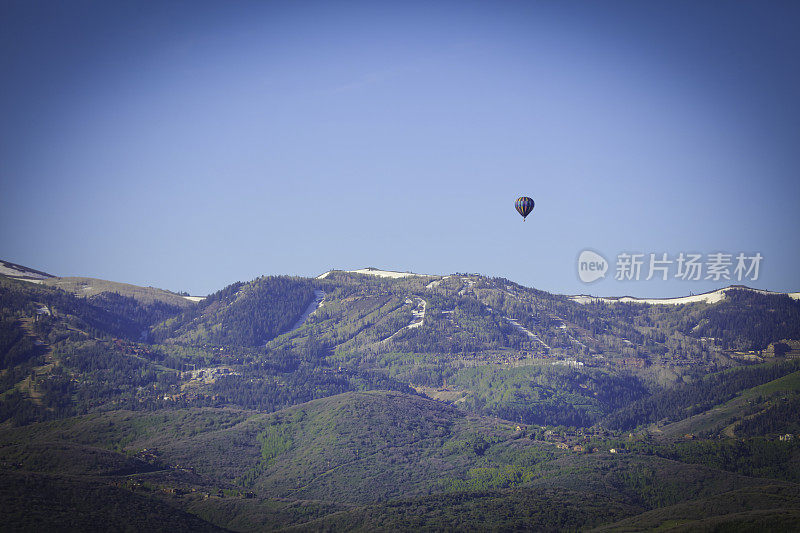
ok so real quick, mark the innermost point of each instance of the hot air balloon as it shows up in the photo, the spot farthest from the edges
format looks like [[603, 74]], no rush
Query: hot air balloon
[[524, 206]]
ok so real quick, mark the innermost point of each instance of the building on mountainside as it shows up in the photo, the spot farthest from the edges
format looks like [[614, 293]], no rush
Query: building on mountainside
[[572, 363], [632, 362], [789, 349], [752, 356], [786, 438]]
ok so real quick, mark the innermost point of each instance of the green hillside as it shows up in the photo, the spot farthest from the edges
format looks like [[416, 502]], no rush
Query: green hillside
[[346, 448], [36, 502], [762, 508], [749, 407], [414, 463]]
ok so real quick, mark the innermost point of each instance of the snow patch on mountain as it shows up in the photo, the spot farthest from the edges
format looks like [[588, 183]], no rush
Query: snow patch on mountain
[[371, 271], [435, 283], [13, 270], [418, 313], [707, 297], [315, 304]]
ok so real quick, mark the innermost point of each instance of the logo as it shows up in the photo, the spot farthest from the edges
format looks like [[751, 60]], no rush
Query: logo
[[591, 266], [685, 266]]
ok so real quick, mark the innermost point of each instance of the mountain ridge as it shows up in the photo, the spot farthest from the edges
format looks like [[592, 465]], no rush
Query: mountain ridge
[[29, 274]]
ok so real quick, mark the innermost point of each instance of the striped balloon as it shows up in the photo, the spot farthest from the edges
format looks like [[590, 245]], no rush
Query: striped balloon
[[524, 206]]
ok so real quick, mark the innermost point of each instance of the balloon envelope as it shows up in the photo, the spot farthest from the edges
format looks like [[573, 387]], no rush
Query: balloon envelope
[[524, 206]]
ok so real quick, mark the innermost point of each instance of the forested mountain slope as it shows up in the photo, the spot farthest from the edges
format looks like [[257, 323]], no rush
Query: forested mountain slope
[[356, 400]]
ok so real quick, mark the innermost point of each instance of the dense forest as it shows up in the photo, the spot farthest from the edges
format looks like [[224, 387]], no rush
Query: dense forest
[[688, 399], [242, 314]]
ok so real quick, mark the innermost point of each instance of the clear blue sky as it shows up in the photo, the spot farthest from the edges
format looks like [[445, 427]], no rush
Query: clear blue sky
[[187, 145]]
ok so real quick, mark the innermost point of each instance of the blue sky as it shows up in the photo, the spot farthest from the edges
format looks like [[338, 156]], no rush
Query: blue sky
[[188, 145]]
